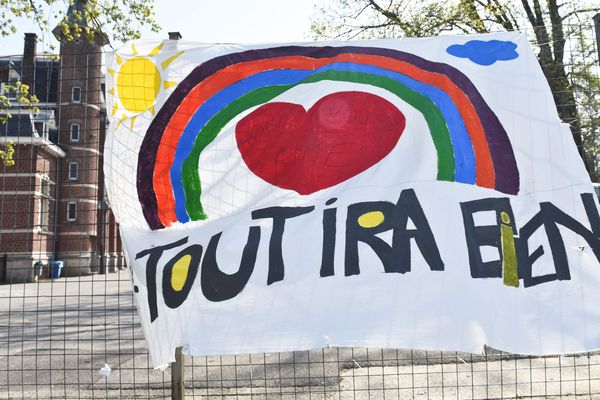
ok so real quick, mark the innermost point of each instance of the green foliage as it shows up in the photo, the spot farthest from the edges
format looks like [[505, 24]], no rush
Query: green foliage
[[120, 19], [22, 97], [6, 154]]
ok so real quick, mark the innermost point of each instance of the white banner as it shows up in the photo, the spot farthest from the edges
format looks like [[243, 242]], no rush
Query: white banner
[[414, 193]]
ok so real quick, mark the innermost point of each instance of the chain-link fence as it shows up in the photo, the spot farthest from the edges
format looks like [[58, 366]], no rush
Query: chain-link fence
[[68, 324]]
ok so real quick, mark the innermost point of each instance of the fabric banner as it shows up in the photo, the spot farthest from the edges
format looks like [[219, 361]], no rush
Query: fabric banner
[[414, 193]]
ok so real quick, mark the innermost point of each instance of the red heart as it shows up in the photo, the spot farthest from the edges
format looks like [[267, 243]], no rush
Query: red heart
[[339, 137]]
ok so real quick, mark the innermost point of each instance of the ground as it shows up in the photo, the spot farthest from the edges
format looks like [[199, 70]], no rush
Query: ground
[[55, 336]]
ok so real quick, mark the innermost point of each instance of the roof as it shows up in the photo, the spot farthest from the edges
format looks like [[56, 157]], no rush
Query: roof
[[77, 16], [43, 143], [24, 123], [46, 75], [19, 125], [46, 116]]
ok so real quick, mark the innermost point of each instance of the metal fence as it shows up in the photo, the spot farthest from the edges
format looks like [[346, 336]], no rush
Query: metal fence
[[74, 333]]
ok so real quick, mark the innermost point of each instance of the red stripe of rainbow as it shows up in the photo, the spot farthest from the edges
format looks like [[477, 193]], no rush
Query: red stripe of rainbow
[[156, 194]]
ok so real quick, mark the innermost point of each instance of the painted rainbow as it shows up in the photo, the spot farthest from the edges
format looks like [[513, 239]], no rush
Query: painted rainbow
[[472, 146]]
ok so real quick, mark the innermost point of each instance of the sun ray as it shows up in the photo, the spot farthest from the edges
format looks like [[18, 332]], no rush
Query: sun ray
[[156, 50], [169, 60], [147, 67], [120, 121]]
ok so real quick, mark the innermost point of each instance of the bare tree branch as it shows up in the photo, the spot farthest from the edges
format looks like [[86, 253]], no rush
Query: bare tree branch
[[579, 11], [392, 16]]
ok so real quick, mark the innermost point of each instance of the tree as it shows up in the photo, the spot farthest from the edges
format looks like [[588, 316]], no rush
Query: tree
[[551, 25], [120, 19]]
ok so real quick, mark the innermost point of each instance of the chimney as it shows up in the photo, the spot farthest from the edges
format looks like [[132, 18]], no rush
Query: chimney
[[28, 67], [175, 36]]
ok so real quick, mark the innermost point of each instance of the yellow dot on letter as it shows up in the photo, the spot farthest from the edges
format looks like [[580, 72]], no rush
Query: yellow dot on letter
[[138, 84], [179, 272], [371, 219], [505, 217]]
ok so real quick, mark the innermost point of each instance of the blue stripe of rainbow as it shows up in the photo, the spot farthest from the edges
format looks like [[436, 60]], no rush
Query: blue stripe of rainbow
[[493, 150], [461, 143]]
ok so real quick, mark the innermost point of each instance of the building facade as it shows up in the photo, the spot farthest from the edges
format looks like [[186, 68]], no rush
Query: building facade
[[53, 204]]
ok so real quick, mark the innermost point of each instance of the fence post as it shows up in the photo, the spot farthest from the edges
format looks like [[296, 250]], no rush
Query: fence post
[[177, 375], [597, 29]]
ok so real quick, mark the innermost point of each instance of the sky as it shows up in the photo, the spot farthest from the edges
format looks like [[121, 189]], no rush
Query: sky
[[209, 21]]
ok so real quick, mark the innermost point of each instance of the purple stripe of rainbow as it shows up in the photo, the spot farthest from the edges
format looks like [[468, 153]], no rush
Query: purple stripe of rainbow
[[507, 176]]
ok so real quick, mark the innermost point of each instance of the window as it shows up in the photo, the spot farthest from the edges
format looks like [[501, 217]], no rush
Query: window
[[74, 132], [4, 74], [39, 128], [44, 210], [76, 94], [71, 211], [73, 171]]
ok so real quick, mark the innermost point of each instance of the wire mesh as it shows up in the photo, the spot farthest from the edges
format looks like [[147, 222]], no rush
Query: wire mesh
[[74, 333]]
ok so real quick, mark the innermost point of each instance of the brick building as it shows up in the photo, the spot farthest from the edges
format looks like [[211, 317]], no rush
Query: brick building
[[53, 204]]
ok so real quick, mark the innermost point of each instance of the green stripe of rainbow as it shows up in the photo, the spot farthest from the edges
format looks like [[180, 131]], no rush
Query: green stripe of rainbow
[[494, 162]]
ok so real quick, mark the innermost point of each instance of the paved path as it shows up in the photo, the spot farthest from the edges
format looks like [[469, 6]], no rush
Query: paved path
[[56, 335]]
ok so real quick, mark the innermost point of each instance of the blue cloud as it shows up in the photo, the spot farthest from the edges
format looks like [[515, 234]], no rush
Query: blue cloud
[[485, 52]]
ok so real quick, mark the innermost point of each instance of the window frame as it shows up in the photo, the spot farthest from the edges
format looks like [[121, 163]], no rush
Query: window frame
[[73, 100], [71, 218], [78, 125], [44, 205], [76, 176]]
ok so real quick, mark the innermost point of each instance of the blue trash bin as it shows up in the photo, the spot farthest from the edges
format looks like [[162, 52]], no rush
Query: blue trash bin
[[57, 266]]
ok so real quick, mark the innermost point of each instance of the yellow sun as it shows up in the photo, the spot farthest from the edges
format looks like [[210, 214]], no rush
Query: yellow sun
[[138, 82]]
